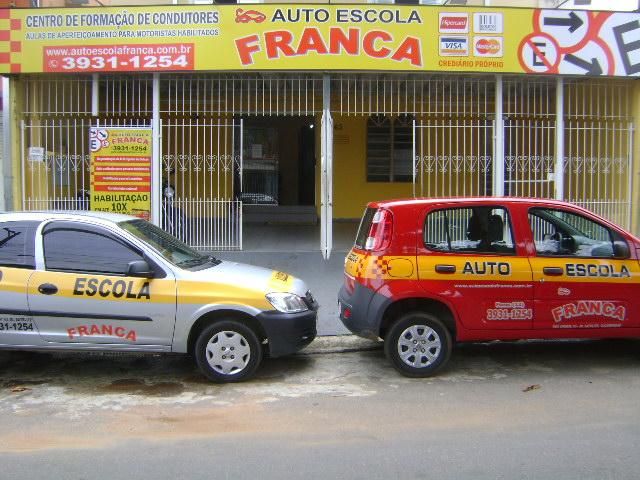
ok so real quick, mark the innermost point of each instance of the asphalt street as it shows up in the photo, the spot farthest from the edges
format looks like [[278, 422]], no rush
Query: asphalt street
[[523, 410]]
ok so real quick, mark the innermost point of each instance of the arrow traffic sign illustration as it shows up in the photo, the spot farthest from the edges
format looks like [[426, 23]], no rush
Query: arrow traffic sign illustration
[[574, 22], [591, 68]]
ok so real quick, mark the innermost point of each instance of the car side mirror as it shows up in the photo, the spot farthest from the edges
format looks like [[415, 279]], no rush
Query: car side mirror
[[139, 268], [620, 249]]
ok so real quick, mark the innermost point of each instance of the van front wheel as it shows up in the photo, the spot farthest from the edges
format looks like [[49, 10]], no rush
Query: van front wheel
[[418, 344]]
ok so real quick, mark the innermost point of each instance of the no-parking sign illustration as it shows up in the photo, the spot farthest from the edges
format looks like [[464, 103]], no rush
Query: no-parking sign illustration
[[582, 43]]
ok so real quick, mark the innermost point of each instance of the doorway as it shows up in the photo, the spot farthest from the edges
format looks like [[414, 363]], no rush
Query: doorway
[[278, 161]]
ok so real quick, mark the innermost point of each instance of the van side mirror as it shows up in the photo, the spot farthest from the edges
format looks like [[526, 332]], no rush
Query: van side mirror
[[139, 268], [620, 249]]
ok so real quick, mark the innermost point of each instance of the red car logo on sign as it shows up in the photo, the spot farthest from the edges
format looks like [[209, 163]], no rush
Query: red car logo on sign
[[247, 16]]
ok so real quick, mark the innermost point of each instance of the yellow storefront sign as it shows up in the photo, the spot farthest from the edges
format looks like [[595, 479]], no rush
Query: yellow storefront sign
[[121, 170], [322, 37]]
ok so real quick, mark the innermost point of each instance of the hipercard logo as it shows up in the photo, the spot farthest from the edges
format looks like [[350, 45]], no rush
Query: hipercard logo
[[454, 23]]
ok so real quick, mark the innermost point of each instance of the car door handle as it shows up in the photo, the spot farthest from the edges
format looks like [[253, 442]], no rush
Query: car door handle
[[553, 271], [48, 289], [445, 268]]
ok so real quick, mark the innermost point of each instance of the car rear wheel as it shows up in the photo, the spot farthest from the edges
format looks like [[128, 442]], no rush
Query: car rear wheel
[[228, 351], [418, 345]]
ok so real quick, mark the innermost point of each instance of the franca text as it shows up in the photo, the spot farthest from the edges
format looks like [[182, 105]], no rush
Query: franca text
[[376, 44]]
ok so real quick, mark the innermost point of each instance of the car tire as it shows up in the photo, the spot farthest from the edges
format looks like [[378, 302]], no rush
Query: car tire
[[418, 345], [228, 351]]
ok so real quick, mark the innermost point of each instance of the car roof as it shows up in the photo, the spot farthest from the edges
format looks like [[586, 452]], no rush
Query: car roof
[[39, 216], [406, 202]]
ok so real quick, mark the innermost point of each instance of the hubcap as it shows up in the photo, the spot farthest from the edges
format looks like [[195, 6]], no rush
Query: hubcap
[[228, 352], [419, 346]]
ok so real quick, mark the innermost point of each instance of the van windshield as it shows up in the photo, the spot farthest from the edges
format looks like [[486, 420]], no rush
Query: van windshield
[[365, 226], [168, 246]]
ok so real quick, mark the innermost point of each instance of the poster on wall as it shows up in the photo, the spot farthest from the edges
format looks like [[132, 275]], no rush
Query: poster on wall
[[121, 170], [316, 37]]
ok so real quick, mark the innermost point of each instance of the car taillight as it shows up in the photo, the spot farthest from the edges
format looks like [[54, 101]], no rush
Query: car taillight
[[379, 236], [349, 283]]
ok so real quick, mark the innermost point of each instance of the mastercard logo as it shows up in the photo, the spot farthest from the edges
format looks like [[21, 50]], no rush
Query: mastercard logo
[[486, 46]]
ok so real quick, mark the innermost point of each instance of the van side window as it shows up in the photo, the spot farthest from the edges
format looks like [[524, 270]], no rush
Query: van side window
[[561, 233], [482, 229], [17, 244]]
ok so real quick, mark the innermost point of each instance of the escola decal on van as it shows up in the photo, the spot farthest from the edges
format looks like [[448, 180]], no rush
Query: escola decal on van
[[596, 270]]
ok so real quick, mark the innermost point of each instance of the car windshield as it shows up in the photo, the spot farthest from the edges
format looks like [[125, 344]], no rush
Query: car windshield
[[171, 249]]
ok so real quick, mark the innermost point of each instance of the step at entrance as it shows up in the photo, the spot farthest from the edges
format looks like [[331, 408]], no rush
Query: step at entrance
[[274, 214]]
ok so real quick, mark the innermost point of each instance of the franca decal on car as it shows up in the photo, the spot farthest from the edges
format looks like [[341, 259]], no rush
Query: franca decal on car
[[101, 330], [589, 308]]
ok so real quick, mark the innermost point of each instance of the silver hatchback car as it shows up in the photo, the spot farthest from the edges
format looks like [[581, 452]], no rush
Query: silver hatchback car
[[96, 281]]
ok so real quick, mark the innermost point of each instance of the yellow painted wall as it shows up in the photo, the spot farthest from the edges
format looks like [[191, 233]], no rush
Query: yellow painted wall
[[351, 191]]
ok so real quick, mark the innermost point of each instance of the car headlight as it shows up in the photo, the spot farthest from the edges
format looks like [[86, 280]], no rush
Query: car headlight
[[287, 302]]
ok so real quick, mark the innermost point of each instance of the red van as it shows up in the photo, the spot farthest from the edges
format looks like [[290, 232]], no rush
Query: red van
[[424, 273]]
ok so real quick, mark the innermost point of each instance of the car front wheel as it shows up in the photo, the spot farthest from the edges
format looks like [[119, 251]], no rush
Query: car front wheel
[[418, 345], [228, 351]]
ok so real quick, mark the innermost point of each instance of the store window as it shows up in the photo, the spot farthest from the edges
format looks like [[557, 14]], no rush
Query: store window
[[389, 148]]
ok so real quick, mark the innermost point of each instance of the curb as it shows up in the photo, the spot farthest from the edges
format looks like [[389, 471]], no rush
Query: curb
[[340, 344]]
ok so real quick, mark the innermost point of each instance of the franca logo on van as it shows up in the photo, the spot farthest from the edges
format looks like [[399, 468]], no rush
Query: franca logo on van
[[454, 23]]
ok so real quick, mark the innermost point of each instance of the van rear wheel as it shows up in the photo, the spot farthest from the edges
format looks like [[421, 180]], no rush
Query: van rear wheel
[[228, 351], [418, 345]]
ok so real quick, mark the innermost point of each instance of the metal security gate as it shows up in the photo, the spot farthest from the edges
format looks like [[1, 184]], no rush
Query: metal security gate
[[201, 182], [598, 147], [453, 158], [56, 161], [568, 140], [203, 149]]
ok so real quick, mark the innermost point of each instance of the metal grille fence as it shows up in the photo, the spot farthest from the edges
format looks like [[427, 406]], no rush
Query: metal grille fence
[[418, 95], [453, 158], [529, 162], [241, 94], [597, 167], [202, 178], [55, 95], [56, 161], [598, 147]]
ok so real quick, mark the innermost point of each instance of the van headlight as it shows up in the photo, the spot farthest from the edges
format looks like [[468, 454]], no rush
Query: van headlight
[[287, 302]]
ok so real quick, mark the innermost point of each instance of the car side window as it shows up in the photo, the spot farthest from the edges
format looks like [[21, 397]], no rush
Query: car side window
[[561, 233], [481, 229], [17, 244], [71, 247]]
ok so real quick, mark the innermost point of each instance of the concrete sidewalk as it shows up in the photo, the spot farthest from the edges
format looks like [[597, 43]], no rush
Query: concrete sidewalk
[[339, 344]]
